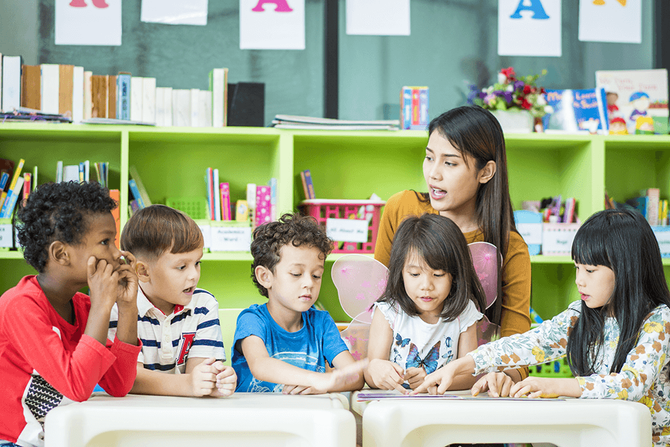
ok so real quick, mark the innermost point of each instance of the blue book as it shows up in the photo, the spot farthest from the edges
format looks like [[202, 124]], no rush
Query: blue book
[[12, 198], [574, 111], [3, 181], [529, 226], [123, 96], [136, 193], [406, 104]]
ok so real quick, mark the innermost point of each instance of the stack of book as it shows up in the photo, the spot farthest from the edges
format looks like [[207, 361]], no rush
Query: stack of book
[[67, 93], [311, 123]]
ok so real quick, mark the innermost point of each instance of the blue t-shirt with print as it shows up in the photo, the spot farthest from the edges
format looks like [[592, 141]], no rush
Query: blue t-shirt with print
[[317, 342]]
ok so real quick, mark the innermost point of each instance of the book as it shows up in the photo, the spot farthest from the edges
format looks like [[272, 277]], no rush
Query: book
[[123, 96], [11, 82], [34, 178], [195, 110], [136, 193], [273, 198], [218, 86], [12, 199], [633, 94], [205, 109], [140, 186], [241, 211], [148, 100], [209, 181], [216, 195], [78, 95], [574, 111], [136, 96], [306, 122], [99, 84], [50, 83], [262, 212], [305, 191], [27, 178], [4, 181], [309, 185], [59, 171], [88, 95], [71, 173], [652, 206], [65, 89], [112, 96], [225, 201], [181, 107], [31, 85]]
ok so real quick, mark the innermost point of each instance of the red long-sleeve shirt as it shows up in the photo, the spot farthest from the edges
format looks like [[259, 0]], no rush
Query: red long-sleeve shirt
[[46, 361]]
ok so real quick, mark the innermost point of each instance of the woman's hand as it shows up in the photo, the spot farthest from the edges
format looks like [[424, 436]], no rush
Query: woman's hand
[[546, 387]]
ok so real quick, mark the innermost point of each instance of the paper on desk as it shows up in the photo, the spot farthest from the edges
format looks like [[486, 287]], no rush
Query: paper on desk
[[380, 394]]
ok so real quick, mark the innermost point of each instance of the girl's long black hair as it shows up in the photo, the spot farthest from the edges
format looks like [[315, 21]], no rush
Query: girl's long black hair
[[623, 241], [440, 243], [477, 133]]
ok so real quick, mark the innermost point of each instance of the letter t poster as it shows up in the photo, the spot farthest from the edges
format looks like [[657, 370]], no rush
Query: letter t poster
[[88, 22], [272, 24]]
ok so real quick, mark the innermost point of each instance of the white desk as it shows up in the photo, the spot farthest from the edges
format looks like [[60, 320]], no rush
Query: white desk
[[565, 423], [243, 419]]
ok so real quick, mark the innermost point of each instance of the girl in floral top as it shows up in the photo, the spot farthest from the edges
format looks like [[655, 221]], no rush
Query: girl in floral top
[[617, 339]]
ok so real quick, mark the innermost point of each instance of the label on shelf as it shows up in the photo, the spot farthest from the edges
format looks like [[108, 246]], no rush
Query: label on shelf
[[6, 234], [230, 237], [530, 232], [347, 230]]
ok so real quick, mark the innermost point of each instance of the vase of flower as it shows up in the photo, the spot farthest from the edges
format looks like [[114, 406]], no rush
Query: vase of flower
[[516, 101], [514, 121]]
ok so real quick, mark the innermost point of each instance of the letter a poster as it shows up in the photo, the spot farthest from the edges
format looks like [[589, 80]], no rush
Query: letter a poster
[[529, 28], [272, 24], [88, 22], [611, 20]]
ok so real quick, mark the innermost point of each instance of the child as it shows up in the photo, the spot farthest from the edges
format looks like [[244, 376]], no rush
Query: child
[[616, 339], [283, 346], [178, 323], [428, 312], [465, 169], [53, 339]]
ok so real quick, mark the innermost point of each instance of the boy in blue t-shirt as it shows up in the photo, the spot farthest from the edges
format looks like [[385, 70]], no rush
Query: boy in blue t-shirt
[[283, 346]]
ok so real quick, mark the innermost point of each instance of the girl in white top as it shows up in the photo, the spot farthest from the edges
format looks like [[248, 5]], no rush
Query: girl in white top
[[428, 311]]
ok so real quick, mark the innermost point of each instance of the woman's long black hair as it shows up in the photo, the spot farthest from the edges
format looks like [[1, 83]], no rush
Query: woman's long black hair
[[477, 133], [623, 241]]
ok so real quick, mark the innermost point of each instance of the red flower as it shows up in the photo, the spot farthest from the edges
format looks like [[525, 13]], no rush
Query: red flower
[[509, 73], [527, 89], [525, 104]]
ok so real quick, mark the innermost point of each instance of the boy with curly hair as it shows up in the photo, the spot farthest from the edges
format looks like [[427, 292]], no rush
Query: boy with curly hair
[[177, 322], [283, 346], [53, 339]]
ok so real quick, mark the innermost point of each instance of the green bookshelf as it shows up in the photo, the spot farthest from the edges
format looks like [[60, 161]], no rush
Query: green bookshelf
[[344, 165]]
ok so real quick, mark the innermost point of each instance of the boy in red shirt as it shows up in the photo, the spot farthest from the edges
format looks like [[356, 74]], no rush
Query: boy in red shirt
[[53, 338]]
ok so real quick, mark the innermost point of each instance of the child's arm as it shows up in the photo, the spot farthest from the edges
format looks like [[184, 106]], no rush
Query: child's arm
[[382, 373], [200, 379], [126, 301], [267, 369], [467, 342]]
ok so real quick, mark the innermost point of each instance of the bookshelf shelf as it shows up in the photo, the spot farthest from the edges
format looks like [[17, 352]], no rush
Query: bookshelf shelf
[[344, 165]]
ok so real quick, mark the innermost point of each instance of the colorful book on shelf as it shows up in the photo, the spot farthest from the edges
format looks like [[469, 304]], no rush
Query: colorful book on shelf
[[225, 201], [140, 186], [30, 87], [123, 96], [209, 181], [216, 194], [27, 186], [308, 184], [633, 94], [575, 111], [12, 199], [136, 193], [4, 180], [262, 214], [273, 198]]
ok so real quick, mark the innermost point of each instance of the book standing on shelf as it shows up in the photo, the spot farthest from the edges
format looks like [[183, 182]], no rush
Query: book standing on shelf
[[307, 184], [30, 87], [225, 201], [11, 82]]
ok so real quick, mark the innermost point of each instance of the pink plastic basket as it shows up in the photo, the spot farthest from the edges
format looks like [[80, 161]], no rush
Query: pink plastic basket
[[324, 209]]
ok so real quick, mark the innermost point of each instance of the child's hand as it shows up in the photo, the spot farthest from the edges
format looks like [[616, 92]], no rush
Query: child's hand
[[128, 282], [496, 383], [414, 376], [437, 382], [338, 379], [203, 378], [226, 380], [387, 375], [297, 389], [541, 387], [103, 282]]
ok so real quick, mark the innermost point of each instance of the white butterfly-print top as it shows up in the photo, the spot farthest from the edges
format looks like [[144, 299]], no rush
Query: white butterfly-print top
[[420, 344]]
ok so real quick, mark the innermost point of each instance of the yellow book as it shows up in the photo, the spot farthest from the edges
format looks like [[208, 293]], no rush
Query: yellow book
[[17, 174], [3, 196]]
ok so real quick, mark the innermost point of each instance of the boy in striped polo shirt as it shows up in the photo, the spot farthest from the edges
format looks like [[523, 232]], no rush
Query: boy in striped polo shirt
[[178, 323]]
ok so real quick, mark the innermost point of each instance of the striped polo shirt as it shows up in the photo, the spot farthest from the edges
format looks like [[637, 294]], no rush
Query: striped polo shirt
[[169, 340]]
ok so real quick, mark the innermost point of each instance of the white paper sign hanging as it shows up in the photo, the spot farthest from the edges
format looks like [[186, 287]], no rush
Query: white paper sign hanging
[[529, 28], [610, 21], [272, 24], [378, 17], [175, 12], [88, 22]]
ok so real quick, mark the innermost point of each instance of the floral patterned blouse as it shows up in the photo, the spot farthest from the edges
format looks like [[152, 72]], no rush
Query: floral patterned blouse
[[643, 377]]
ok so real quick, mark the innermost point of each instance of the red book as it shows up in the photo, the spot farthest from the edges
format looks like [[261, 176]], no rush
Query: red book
[[415, 106]]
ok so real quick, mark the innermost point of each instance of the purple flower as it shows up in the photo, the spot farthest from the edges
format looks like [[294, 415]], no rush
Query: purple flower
[[518, 85], [508, 97]]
